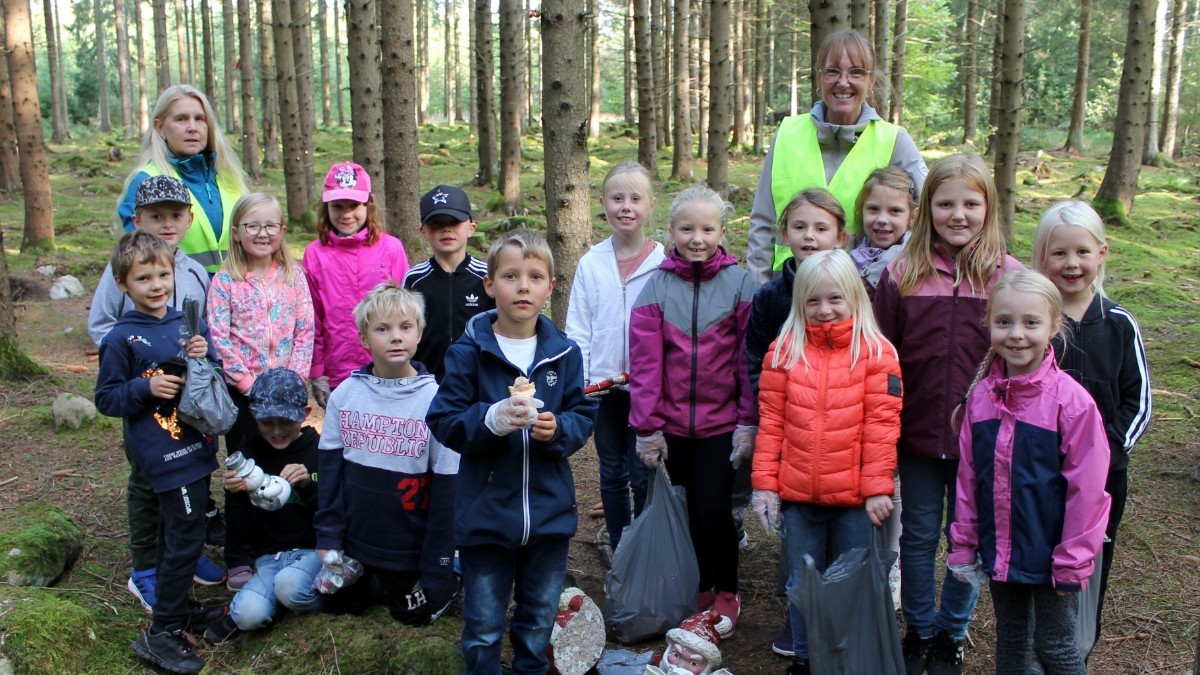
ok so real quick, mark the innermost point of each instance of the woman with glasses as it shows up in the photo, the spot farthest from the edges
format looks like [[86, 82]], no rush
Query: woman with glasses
[[185, 141]]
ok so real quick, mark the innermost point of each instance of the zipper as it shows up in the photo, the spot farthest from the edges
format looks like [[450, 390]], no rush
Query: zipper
[[819, 429], [450, 315], [950, 345], [525, 515], [695, 344]]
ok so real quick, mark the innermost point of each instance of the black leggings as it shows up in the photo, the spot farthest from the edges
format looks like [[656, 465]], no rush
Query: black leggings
[[701, 466]]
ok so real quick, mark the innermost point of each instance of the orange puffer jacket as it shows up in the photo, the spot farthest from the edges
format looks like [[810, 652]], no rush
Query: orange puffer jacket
[[827, 432]]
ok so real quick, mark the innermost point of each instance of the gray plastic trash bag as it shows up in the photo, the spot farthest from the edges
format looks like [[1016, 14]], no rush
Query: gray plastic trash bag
[[1085, 618], [654, 580], [849, 613], [204, 402]]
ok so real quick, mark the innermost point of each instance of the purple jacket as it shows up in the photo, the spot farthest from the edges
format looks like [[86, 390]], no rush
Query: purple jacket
[[939, 333], [687, 349], [1031, 497]]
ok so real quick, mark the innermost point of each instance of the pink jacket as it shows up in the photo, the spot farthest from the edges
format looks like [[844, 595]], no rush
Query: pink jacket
[[260, 323], [340, 274]]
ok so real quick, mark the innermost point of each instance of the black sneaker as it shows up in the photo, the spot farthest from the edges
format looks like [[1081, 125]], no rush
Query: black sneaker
[[168, 649], [200, 617], [215, 534], [782, 644], [916, 652], [945, 655], [222, 631], [798, 667]]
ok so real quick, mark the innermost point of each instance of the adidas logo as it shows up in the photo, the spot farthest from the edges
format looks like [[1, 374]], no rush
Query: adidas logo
[[472, 300]]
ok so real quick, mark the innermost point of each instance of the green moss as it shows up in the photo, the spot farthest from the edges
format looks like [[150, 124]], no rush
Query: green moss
[[47, 541], [45, 634], [1112, 211], [15, 364]]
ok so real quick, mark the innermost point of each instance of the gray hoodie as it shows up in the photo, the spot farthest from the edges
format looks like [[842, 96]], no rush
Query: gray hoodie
[[109, 303]]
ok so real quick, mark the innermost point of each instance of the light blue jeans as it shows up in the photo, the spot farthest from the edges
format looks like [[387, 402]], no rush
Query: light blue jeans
[[284, 578]]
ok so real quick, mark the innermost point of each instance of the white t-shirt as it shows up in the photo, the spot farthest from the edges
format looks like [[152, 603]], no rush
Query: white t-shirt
[[518, 351]]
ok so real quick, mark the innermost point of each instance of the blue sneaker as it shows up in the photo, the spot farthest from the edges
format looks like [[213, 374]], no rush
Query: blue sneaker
[[141, 584], [208, 573]]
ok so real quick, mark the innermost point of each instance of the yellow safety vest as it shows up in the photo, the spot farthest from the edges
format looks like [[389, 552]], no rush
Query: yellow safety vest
[[800, 167], [200, 242]]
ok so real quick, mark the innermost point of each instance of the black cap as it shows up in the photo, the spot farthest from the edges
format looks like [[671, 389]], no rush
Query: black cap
[[448, 200], [157, 189], [279, 392]]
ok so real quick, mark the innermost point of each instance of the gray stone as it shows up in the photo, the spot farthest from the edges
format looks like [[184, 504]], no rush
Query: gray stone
[[47, 271], [66, 287], [41, 544], [72, 410]]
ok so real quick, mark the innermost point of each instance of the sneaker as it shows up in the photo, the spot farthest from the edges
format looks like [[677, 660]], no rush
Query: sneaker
[[916, 652], [744, 542], [945, 655], [705, 600], [782, 644], [222, 631], [208, 573], [238, 577], [215, 533], [729, 606], [141, 584], [798, 667], [168, 649], [894, 584], [200, 617]]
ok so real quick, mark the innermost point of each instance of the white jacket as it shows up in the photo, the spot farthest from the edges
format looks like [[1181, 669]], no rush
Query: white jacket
[[598, 313]]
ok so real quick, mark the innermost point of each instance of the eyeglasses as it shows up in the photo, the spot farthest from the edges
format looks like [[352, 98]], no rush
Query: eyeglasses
[[256, 229], [832, 75]]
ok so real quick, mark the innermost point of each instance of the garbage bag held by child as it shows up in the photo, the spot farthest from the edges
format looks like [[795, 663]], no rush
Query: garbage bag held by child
[[204, 401]]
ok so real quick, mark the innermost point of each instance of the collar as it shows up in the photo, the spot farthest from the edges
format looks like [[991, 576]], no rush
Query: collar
[[833, 335], [551, 344], [828, 132], [691, 270], [1020, 390], [200, 164], [356, 240]]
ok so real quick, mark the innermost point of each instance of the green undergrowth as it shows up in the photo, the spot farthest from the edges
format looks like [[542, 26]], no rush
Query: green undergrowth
[[43, 634]]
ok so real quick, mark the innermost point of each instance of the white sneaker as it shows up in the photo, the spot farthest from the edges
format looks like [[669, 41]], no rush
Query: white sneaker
[[894, 584], [744, 542]]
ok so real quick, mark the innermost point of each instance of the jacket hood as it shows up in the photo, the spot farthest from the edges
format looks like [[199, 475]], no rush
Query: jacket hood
[[1020, 390], [142, 319], [691, 270], [356, 240], [395, 388], [835, 334], [827, 132], [200, 164]]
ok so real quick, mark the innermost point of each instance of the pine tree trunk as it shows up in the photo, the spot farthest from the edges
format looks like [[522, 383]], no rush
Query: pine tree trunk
[[400, 123], [27, 118], [337, 67], [681, 157], [161, 55], [1174, 78], [860, 16], [829, 17], [447, 60], [658, 59], [10, 158], [1114, 198], [14, 363], [737, 50], [883, 52], [627, 62], [229, 29], [794, 88], [703, 84], [422, 49], [565, 85], [366, 91], [473, 104], [323, 41], [512, 98], [970, 67], [1009, 114], [210, 84], [143, 97], [530, 73], [62, 79], [58, 115], [647, 124], [289, 112], [719, 77], [269, 81], [125, 87], [593, 50], [457, 33], [101, 68], [1079, 92], [181, 42], [761, 56], [250, 160], [1150, 145], [194, 55], [302, 47], [899, 46], [485, 92]]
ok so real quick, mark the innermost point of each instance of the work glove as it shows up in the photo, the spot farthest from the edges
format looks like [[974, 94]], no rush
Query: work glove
[[765, 504], [651, 449], [743, 444], [971, 573], [515, 412], [320, 390]]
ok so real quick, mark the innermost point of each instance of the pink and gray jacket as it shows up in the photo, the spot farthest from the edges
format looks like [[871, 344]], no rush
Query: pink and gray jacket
[[687, 349], [1034, 461]]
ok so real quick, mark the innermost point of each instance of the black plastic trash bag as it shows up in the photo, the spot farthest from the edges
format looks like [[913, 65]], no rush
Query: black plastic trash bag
[[654, 580], [204, 401], [849, 613]]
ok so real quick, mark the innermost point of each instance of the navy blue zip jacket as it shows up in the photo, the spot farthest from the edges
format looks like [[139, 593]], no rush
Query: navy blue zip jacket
[[768, 312], [511, 489], [135, 347]]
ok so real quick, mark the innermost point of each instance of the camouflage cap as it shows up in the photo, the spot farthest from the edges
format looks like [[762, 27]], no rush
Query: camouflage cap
[[279, 392], [156, 189]]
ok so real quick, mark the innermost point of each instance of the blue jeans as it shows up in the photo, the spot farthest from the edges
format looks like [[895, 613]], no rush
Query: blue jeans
[[491, 575], [807, 529], [621, 471], [285, 578], [929, 486]]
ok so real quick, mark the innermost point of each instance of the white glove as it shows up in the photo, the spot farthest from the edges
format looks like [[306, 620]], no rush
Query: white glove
[[320, 389], [971, 573], [512, 413], [765, 505], [743, 444], [652, 448]]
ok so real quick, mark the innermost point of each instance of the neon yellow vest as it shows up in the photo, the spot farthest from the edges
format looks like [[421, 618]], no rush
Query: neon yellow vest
[[800, 167], [200, 242]]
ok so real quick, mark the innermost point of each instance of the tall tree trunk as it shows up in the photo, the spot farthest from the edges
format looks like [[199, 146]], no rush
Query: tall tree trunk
[[860, 16], [473, 104], [323, 41], [14, 363], [62, 80], [1174, 77], [422, 74], [194, 54], [229, 29], [181, 41], [10, 158], [1079, 92], [457, 52], [366, 91], [883, 52], [681, 157], [997, 60], [294, 163], [565, 84], [737, 50], [447, 60], [703, 84], [101, 68], [125, 87], [512, 96], [485, 91], [647, 124], [302, 46], [593, 50], [249, 121], [829, 17], [719, 77], [27, 118], [628, 61], [58, 114], [530, 73], [400, 123], [658, 59], [1114, 198], [1008, 130], [337, 67], [210, 83], [794, 88], [161, 55], [269, 80], [899, 47], [762, 57], [1150, 146], [971, 71], [143, 97]]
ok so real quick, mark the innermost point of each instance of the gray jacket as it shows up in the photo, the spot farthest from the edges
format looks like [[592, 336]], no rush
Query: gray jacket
[[109, 303]]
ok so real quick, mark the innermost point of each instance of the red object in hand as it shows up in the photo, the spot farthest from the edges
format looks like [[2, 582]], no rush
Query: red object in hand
[[605, 385]]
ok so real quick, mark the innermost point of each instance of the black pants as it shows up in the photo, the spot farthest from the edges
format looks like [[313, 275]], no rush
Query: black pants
[[1118, 487], [1053, 631], [181, 530], [393, 588], [141, 507], [701, 466]]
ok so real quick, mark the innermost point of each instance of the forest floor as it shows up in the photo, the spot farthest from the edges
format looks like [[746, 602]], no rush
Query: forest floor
[[1152, 615]]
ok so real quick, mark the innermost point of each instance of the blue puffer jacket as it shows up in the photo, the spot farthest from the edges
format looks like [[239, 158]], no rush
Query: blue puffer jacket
[[511, 489]]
